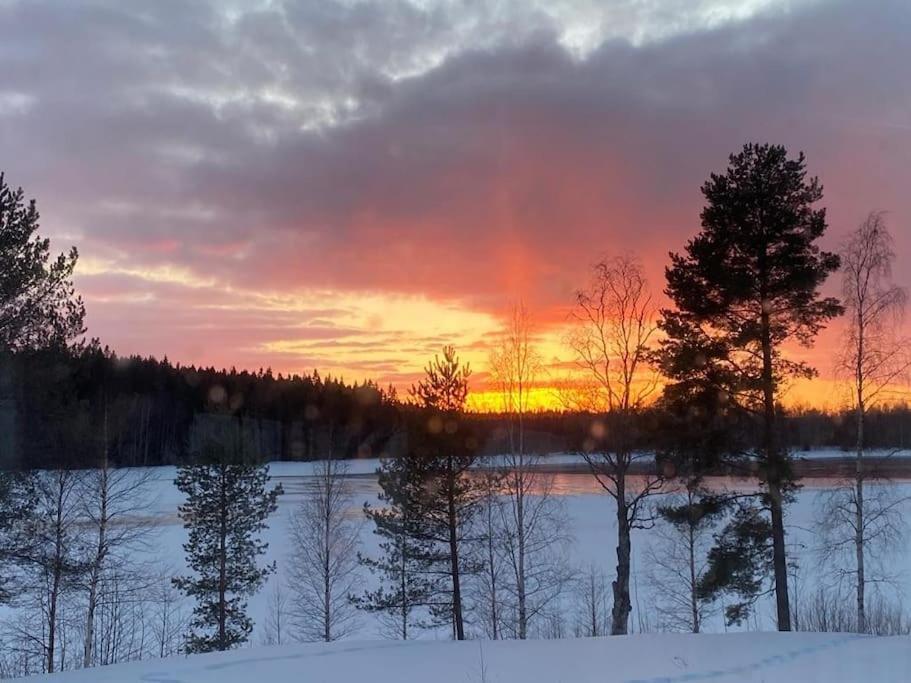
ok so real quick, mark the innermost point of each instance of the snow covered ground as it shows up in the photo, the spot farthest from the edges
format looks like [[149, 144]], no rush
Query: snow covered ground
[[749, 656], [654, 658]]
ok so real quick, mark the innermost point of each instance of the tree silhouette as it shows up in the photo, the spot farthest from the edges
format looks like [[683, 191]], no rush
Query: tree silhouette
[[747, 283], [38, 304], [226, 509]]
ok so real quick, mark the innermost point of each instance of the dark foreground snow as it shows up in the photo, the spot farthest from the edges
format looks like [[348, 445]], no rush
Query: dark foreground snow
[[659, 658]]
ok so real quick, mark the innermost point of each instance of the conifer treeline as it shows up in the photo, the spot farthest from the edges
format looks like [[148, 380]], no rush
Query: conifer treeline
[[52, 403]]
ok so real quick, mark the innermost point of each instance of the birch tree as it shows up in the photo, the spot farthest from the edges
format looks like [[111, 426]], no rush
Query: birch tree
[[875, 360], [168, 619], [56, 563], [592, 615], [323, 564], [114, 510], [492, 606], [275, 627], [532, 521], [614, 326], [677, 561]]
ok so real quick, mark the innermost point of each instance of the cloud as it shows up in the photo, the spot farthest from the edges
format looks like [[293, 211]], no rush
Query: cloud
[[464, 153]]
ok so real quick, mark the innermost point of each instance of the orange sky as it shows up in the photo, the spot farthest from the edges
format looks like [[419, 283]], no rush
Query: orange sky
[[351, 188]]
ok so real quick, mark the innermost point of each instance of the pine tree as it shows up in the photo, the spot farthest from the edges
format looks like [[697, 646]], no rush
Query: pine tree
[[748, 282], [432, 501], [406, 587], [17, 506], [227, 506], [449, 499], [38, 304], [739, 562]]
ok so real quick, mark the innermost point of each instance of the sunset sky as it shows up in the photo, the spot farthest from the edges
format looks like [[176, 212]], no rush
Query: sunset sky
[[349, 185]]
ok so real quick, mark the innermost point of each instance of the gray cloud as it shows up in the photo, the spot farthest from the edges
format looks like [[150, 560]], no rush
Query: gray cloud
[[466, 150]]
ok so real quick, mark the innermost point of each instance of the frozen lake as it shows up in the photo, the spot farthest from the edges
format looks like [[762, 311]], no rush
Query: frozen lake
[[591, 520]]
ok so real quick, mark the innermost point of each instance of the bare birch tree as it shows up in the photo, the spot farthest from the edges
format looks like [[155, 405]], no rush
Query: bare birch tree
[[323, 563], [532, 521], [615, 323], [591, 611], [56, 563], [490, 602], [876, 358], [122, 628], [114, 516], [677, 561], [882, 530], [168, 618], [275, 626]]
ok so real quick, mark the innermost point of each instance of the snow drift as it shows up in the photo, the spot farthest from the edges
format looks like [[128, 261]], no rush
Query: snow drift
[[658, 658]]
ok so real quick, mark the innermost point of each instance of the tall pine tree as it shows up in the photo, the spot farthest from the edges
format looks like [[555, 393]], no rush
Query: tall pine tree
[[433, 500], [748, 282], [228, 503]]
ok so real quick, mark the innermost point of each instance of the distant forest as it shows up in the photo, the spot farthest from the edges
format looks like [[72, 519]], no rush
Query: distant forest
[[63, 406]]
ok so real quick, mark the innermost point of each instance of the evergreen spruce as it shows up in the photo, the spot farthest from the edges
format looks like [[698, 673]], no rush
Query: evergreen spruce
[[748, 282], [227, 506]]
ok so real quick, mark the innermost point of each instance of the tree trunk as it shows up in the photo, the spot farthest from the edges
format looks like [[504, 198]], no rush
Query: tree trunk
[[595, 627], [52, 620], [222, 566], [622, 605], [774, 472], [94, 580], [859, 513], [90, 619], [404, 587], [859, 472], [779, 559], [327, 551], [859, 543], [491, 559], [520, 528], [457, 624], [694, 598], [100, 551], [56, 575]]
